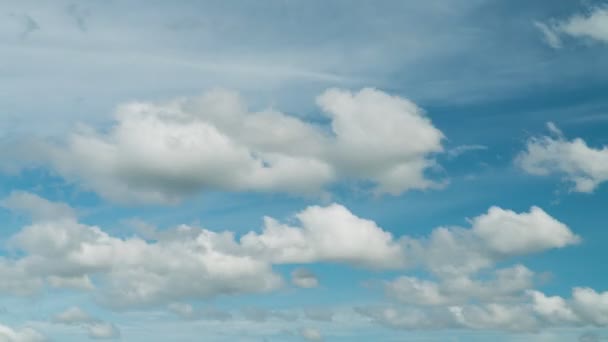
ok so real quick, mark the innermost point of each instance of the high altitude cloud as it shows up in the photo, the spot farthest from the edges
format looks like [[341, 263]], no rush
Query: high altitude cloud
[[161, 152], [592, 25], [586, 167], [189, 262]]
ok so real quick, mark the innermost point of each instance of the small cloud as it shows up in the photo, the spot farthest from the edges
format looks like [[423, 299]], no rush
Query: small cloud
[[462, 149], [304, 278]]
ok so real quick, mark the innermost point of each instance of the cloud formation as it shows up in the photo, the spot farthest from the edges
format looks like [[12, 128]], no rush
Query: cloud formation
[[8, 334], [188, 262], [162, 152], [584, 166], [591, 25]]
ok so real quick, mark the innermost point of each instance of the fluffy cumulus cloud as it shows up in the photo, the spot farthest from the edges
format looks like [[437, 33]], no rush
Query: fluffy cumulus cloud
[[591, 25], [584, 166], [188, 262], [330, 233], [161, 152], [8, 334], [496, 235], [463, 288]]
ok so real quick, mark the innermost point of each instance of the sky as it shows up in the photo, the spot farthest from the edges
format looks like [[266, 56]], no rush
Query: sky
[[289, 170]]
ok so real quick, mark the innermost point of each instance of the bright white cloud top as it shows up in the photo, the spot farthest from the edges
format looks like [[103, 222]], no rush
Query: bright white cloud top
[[162, 152]]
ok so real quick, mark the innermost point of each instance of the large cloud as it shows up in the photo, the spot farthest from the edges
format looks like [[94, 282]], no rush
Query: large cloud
[[586, 167], [161, 152]]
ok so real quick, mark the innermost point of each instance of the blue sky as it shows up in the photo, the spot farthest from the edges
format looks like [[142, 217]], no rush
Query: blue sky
[[303, 170]]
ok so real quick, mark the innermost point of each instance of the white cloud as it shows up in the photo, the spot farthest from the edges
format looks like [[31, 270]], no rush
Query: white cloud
[[8, 334], [36, 207], [592, 25], [591, 306], [509, 233], [161, 152], [311, 334], [188, 262], [330, 233], [494, 236], [586, 167], [302, 277], [554, 309], [507, 284]]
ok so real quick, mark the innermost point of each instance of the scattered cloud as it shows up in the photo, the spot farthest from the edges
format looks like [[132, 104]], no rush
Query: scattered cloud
[[188, 262], [584, 166]]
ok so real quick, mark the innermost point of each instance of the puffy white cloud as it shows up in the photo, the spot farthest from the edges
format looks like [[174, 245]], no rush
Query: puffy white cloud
[[8, 334], [506, 232], [161, 152], [591, 25], [590, 305], [311, 334], [585, 166], [381, 137], [330, 233], [552, 308], [188, 262], [302, 277], [493, 236]]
